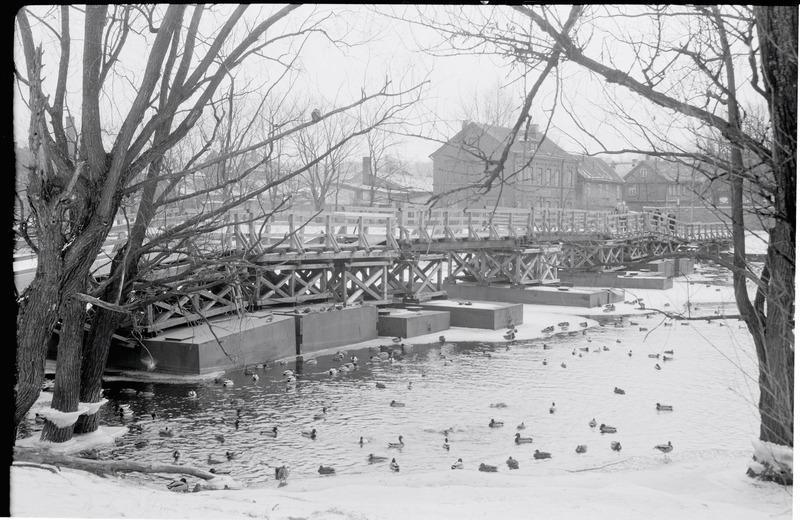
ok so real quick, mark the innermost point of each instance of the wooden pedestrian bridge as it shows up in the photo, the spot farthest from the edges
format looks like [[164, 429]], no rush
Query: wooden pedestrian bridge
[[379, 256]]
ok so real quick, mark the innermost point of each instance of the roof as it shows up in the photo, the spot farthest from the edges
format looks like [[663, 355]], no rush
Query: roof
[[669, 171], [499, 134], [596, 170]]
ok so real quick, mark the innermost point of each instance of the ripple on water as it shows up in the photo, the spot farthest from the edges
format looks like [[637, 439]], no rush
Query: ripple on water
[[713, 401]]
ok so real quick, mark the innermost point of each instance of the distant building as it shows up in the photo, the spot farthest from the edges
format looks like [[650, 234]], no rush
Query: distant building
[[537, 172], [368, 189], [660, 183], [598, 187]]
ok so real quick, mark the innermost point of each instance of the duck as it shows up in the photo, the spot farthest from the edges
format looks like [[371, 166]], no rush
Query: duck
[[326, 470], [219, 437], [509, 336], [333, 372], [271, 433], [459, 464], [126, 413], [255, 378], [145, 393], [227, 383], [397, 339], [512, 463], [380, 386], [394, 466], [545, 346], [544, 362], [548, 330], [487, 468], [563, 365], [399, 444], [495, 424], [166, 432], [667, 358], [142, 444], [446, 444], [319, 416], [553, 408], [663, 407], [282, 473], [442, 339], [619, 341], [217, 471], [498, 405], [630, 353], [580, 448], [669, 352], [292, 379], [191, 394], [376, 458], [311, 362], [521, 426], [619, 391], [179, 486], [518, 439], [592, 423], [563, 324], [607, 429], [605, 348], [664, 448], [585, 349], [361, 441], [133, 428], [583, 324], [230, 455], [311, 435], [409, 385], [655, 356], [658, 367], [541, 455], [616, 446], [396, 404]]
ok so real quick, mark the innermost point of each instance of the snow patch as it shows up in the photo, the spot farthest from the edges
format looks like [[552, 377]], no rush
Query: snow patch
[[773, 455], [91, 408], [104, 435]]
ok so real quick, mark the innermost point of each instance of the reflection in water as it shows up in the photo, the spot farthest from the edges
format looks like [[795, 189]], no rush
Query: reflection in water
[[712, 399]]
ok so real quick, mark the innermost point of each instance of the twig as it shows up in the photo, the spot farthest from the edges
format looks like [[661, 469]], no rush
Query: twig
[[597, 467]]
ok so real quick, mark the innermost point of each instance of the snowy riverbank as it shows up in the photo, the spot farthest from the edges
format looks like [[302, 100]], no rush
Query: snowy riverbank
[[701, 486]]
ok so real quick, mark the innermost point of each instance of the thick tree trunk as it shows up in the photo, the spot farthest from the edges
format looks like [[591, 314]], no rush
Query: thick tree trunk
[[778, 33]]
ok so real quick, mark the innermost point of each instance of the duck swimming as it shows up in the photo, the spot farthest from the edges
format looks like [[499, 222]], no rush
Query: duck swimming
[[658, 367], [394, 466], [607, 429], [616, 446], [656, 356], [544, 362], [192, 394], [227, 383], [664, 448], [563, 365], [442, 339], [326, 470], [512, 463], [495, 424], [319, 416], [541, 455], [580, 448], [271, 433], [214, 460], [630, 353], [498, 405], [446, 444], [518, 439], [380, 386], [282, 473], [553, 408], [663, 407], [459, 464], [311, 435], [179, 486], [487, 468], [376, 458], [521, 426], [396, 404], [166, 432], [619, 391], [592, 423], [219, 437], [399, 444]]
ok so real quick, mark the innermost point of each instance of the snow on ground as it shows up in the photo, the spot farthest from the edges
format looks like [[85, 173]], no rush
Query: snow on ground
[[103, 436], [689, 488]]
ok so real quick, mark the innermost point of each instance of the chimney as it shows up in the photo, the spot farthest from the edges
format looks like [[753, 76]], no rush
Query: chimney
[[366, 170]]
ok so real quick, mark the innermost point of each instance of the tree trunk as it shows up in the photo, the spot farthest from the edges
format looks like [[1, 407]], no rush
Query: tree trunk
[[778, 32]]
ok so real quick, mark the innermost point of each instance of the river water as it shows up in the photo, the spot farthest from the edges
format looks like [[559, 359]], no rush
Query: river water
[[709, 383]]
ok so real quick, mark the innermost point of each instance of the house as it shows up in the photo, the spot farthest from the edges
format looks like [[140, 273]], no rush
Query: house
[[598, 187], [536, 174], [368, 189], [665, 184]]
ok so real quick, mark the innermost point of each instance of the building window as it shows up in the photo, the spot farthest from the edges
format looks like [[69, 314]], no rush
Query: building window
[[538, 179], [632, 190], [548, 177]]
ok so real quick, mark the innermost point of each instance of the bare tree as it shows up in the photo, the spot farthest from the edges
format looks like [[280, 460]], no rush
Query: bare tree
[[74, 201]]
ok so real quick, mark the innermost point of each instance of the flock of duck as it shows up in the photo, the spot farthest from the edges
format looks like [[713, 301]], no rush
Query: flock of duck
[[389, 354]]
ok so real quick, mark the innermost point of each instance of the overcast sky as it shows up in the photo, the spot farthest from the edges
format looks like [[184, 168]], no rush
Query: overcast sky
[[382, 46]]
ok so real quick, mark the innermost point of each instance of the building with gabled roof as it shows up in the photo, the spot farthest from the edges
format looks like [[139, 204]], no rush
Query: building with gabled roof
[[537, 173], [660, 183], [598, 187]]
